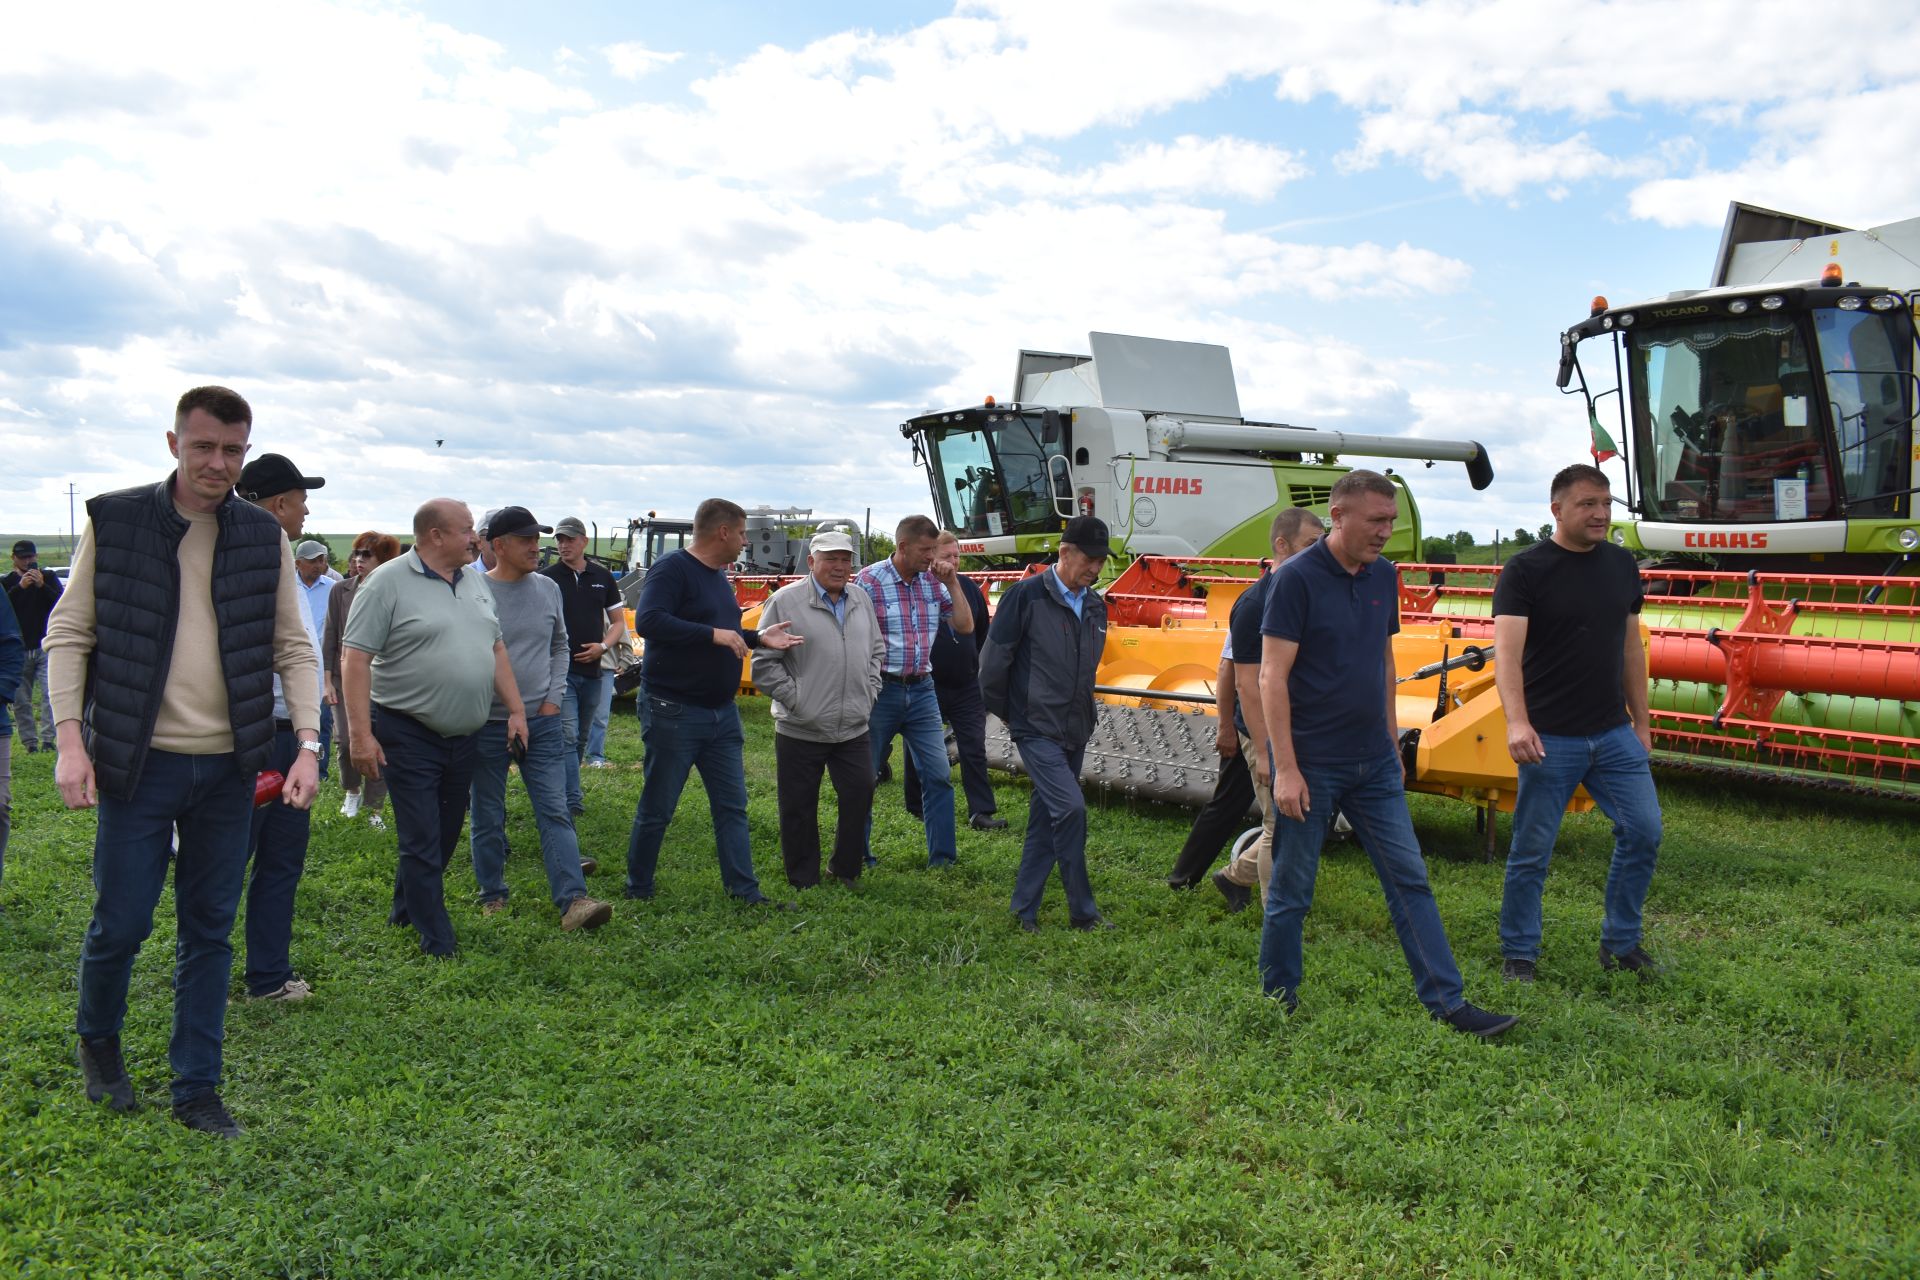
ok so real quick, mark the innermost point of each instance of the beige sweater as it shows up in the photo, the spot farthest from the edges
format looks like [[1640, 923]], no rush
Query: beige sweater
[[193, 712]]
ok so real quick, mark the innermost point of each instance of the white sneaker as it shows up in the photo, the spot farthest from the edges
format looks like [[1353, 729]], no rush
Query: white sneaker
[[377, 822], [351, 807]]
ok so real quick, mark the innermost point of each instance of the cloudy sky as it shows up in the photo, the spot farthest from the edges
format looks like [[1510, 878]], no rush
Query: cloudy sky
[[601, 258]]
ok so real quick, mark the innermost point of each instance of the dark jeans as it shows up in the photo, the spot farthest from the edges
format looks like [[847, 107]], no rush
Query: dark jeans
[[429, 778], [1373, 795], [798, 763], [326, 739], [278, 849], [1617, 773], [543, 771], [680, 738], [962, 707], [1056, 830], [210, 799], [1223, 818]]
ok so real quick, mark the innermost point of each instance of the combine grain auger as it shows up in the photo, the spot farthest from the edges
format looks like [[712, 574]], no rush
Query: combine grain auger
[[1804, 678]]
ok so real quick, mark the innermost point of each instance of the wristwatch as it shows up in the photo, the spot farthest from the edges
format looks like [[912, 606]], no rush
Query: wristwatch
[[313, 746]]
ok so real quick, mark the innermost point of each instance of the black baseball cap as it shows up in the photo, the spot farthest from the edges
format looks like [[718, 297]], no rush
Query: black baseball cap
[[1089, 535], [25, 547], [515, 522], [271, 475]]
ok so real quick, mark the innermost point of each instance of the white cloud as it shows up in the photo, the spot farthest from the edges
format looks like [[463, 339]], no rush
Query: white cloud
[[631, 60]]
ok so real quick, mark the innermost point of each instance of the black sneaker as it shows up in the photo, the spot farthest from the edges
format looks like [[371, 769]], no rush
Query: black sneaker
[[1478, 1022], [986, 822], [205, 1112], [1514, 969], [1633, 960], [1092, 923], [1289, 1000], [106, 1073], [1237, 895], [1028, 926]]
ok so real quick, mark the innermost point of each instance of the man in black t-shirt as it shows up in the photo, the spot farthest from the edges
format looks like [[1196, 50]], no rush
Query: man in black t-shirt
[[590, 602], [1572, 676]]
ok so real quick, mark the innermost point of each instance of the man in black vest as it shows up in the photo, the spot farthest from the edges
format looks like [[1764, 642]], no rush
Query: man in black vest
[[181, 607]]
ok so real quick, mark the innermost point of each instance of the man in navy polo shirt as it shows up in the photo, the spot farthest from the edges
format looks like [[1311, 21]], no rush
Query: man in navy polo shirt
[[1327, 692]]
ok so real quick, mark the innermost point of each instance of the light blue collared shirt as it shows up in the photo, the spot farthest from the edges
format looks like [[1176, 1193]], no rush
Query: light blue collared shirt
[[1075, 599], [839, 606]]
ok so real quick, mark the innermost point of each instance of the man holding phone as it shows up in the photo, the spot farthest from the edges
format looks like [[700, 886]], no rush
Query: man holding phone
[[535, 632], [32, 592], [596, 619]]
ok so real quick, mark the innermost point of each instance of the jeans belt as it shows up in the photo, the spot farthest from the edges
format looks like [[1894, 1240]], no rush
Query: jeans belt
[[894, 677]]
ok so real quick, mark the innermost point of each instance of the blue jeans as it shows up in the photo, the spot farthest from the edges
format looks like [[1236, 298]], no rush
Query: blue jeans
[[278, 850], [597, 731], [1373, 796], [913, 712], [429, 780], [211, 800], [1615, 768], [576, 717], [680, 738], [326, 739], [1056, 831], [544, 773]]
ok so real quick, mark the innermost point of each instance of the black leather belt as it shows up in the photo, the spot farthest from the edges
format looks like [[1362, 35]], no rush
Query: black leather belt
[[896, 678], [283, 726]]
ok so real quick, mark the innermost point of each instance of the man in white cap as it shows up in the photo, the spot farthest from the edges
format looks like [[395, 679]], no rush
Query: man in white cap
[[823, 693]]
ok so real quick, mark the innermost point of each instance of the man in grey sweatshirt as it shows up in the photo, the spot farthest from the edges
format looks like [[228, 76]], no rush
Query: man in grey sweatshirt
[[823, 693], [535, 633]]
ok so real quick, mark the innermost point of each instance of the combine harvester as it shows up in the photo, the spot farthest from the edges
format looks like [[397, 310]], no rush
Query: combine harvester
[[1768, 468], [1147, 434]]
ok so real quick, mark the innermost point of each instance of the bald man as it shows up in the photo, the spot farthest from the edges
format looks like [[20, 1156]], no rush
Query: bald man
[[422, 661]]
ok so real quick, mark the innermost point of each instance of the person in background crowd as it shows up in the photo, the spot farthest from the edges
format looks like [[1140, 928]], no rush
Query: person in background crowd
[[370, 550], [911, 603], [690, 621], [596, 619], [1225, 813], [277, 844], [1037, 674], [1291, 532], [823, 692], [317, 581], [1573, 683], [422, 662], [956, 687], [178, 721], [603, 710], [535, 632], [1327, 697], [13, 660], [32, 592]]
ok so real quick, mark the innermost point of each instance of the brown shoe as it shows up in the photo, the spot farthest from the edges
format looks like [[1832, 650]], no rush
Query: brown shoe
[[493, 906], [585, 913]]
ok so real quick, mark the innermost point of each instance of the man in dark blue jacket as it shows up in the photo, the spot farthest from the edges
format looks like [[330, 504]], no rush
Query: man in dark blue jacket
[[690, 619], [1037, 674], [13, 660]]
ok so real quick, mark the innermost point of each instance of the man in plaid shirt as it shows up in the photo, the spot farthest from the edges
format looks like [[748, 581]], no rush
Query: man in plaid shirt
[[911, 603]]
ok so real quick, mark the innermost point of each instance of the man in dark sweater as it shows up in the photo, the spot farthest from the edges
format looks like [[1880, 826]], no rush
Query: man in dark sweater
[[1573, 683], [956, 686], [695, 644], [32, 592]]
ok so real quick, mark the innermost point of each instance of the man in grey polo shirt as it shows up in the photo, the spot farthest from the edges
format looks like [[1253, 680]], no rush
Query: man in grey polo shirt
[[423, 647], [535, 631]]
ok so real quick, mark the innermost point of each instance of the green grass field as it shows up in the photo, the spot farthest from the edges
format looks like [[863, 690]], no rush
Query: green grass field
[[894, 1082]]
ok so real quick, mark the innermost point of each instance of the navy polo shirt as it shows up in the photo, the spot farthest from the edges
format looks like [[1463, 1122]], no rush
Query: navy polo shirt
[[1243, 630], [1341, 622]]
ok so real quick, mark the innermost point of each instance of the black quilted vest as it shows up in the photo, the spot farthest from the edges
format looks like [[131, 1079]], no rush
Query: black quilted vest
[[136, 586]]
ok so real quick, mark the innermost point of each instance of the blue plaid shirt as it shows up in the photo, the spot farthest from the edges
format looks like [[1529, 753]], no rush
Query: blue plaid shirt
[[910, 615]]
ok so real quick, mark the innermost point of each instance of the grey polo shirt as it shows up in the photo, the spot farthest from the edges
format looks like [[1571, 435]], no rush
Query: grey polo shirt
[[431, 640]]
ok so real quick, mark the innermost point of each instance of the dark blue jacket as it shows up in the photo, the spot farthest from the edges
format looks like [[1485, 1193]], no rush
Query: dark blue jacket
[[1037, 670], [13, 661]]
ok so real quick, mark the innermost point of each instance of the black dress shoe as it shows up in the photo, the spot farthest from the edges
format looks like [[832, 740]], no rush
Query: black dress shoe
[[1091, 923], [1028, 926], [1237, 895], [1633, 960], [986, 822], [1478, 1022]]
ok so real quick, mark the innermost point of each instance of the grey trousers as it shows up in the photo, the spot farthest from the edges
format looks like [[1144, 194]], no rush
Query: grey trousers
[[33, 680]]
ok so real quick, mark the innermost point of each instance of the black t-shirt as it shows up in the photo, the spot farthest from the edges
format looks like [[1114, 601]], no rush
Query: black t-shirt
[[1576, 604], [956, 658], [1243, 630], [585, 598]]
